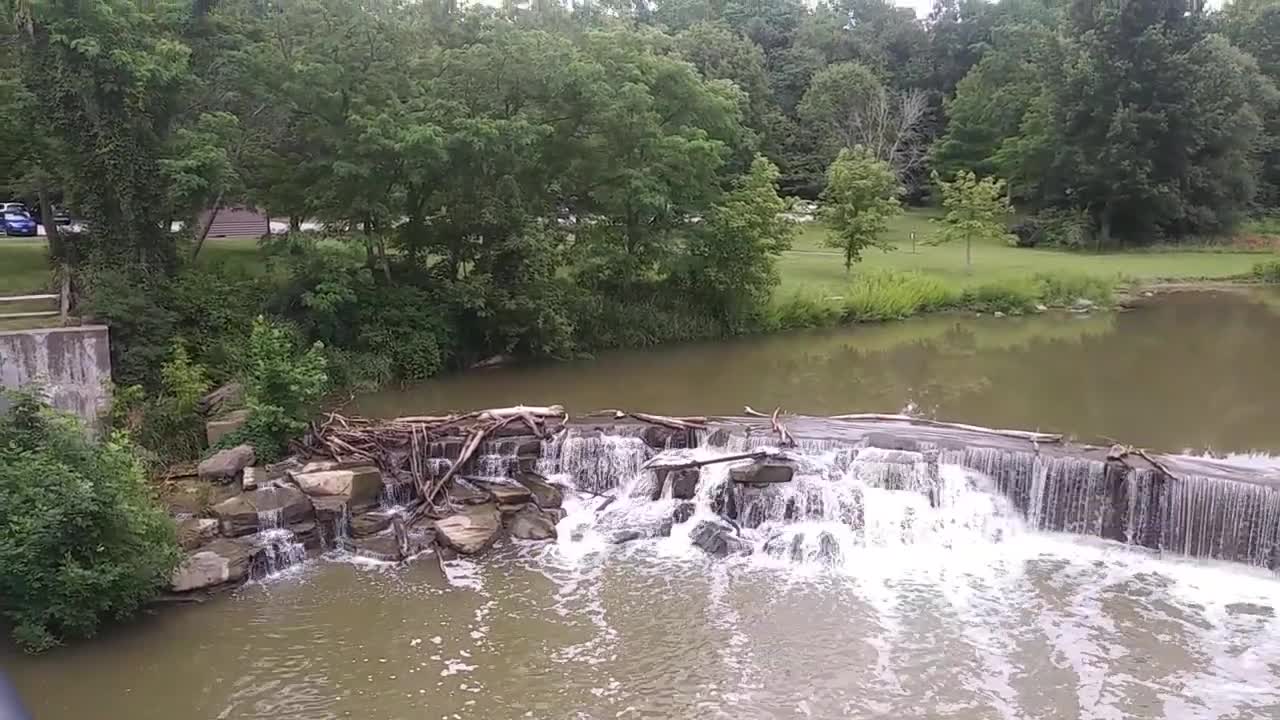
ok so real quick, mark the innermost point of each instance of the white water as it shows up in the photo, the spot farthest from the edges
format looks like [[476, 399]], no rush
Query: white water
[[1045, 624], [282, 550]]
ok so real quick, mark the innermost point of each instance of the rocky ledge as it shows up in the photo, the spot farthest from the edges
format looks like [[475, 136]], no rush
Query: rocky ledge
[[268, 517]]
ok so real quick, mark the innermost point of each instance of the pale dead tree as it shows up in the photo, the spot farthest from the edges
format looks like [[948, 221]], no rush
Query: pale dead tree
[[892, 126]]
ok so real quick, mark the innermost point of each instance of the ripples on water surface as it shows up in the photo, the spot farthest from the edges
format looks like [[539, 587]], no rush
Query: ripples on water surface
[[952, 625], [1037, 626]]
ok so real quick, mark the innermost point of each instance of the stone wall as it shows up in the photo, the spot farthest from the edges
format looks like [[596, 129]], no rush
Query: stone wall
[[72, 365]]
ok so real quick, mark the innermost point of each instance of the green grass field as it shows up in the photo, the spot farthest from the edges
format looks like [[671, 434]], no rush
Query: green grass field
[[810, 266]]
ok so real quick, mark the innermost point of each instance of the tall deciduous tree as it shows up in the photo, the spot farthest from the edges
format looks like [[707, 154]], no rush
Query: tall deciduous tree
[[1151, 115], [111, 78], [860, 198], [849, 107]]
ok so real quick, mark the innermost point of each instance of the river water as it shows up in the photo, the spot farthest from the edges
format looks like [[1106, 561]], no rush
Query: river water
[[957, 611]]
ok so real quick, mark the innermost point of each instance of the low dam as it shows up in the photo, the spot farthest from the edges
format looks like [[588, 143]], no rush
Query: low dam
[[732, 565]]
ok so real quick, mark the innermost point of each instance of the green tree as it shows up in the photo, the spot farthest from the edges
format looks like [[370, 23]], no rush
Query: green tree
[[860, 198], [282, 387], [1254, 26], [733, 253], [111, 79], [81, 539], [976, 210], [1154, 121]]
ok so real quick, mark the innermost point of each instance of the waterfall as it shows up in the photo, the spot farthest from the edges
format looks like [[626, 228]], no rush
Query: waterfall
[[597, 462], [845, 496], [280, 548]]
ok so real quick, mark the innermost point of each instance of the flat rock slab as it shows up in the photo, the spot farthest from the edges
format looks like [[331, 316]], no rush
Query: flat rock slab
[[243, 514], [361, 486], [506, 493], [218, 563], [370, 523], [545, 493], [226, 465], [470, 532], [194, 532], [385, 548], [531, 523]]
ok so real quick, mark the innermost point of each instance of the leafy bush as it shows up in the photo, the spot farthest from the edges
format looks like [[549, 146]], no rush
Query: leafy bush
[[166, 423], [802, 311], [879, 296], [81, 539], [282, 387], [1004, 297], [1060, 289], [1267, 272]]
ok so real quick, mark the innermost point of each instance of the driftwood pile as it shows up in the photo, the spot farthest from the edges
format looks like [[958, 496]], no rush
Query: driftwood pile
[[402, 446]]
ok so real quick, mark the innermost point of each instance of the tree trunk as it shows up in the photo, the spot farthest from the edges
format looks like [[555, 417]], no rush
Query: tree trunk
[[381, 245], [295, 223], [968, 255], [208, 225], [51, 232], [1104, 229]]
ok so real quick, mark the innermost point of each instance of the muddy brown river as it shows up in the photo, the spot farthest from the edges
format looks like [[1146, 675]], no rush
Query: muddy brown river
[[968, 615]]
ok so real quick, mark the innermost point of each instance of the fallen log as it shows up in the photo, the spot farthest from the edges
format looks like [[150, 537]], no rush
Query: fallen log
[[655, 463], [678, 423], [1037, 437]]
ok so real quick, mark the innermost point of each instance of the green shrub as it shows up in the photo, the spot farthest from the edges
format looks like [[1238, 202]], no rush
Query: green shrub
[[873, 297], [802, 311], [1004, 297], [165, 423], [81, 539], [1060, 289], [1267, 272], [282, 388]]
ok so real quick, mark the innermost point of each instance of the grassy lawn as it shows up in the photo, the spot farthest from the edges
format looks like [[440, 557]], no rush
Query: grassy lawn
[[24, 265], [812, 267]]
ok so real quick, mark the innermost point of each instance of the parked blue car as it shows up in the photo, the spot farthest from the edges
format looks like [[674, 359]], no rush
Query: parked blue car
[[18, 223]]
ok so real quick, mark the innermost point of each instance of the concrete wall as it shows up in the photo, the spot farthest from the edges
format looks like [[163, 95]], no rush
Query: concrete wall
[[72, 365]]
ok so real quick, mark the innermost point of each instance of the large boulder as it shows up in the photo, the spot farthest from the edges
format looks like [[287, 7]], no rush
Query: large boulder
[[718, 539], [370, 523], [762, 473], [226, 465], [250, 512], [361, 486], [218, 563], [194, 532], [471, 531], [545, 494], [532, 524]]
